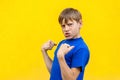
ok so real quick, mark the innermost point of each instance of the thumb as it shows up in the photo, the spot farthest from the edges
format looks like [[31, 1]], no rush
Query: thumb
[[71, 47], [55, 44]]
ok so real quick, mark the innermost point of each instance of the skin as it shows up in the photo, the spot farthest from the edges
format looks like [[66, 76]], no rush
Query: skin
[[71, 31], [45, 47]]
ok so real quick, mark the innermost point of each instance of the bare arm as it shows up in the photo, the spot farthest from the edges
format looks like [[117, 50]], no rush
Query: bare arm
[[48, 61], [66, 72]]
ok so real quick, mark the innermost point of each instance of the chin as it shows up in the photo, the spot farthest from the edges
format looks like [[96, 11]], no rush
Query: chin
[[68, 37]]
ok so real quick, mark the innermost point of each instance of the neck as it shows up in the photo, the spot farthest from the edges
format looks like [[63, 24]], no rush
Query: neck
[[78, 36]]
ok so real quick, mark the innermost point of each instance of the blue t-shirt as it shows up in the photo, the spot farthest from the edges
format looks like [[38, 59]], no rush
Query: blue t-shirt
[[77, 57]]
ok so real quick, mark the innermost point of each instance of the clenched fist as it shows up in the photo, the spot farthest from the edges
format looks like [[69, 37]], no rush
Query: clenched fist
[[64, 49], [48, 45]]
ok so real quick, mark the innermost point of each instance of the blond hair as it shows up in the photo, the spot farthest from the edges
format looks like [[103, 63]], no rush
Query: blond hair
[[69, 14]]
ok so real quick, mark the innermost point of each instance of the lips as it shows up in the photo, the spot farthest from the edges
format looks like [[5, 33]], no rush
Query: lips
[[67, 34]]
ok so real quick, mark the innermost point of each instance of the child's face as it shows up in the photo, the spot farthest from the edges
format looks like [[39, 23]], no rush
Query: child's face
[[71, 29]]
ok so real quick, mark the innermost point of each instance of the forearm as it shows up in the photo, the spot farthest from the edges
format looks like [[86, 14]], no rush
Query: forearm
[[47, 60], [66, 72]]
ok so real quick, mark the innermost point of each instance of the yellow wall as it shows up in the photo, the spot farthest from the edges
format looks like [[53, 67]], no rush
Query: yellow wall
[[26, 24]]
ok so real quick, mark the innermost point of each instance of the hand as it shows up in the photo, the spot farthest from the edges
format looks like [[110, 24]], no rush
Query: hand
[[48, 45], [64, 49]]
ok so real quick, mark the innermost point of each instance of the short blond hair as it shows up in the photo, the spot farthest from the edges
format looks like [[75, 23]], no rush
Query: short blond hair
[[69, 14]]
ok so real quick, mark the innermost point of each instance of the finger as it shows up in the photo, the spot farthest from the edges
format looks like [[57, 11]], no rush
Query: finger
[[55, 44], [71, 47], [66, 45], [52, 43], [49, 42]]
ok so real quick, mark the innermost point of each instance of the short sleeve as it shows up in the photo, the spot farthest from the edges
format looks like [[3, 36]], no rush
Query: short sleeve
[[80, 58]]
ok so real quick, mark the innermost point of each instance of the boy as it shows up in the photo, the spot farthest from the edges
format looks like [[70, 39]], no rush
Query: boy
[[72, 54]]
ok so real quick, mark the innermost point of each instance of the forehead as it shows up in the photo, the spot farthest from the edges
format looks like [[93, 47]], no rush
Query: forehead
[[66, 21]]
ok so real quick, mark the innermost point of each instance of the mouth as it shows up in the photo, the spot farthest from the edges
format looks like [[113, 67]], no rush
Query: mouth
[[67, 34]]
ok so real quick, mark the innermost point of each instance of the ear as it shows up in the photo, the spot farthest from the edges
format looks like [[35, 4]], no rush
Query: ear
[[80, 23]]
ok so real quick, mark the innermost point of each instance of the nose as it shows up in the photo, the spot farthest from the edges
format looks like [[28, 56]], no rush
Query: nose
[[66, 28]]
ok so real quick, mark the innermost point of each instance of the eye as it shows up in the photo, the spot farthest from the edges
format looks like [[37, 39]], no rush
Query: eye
[[62, 26], [70, 24]]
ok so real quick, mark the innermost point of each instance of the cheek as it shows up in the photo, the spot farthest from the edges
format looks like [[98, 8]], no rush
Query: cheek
[[75, 30], [63, 31]]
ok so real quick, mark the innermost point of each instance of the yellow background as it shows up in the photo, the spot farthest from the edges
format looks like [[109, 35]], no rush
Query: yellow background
[[26, 24]]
